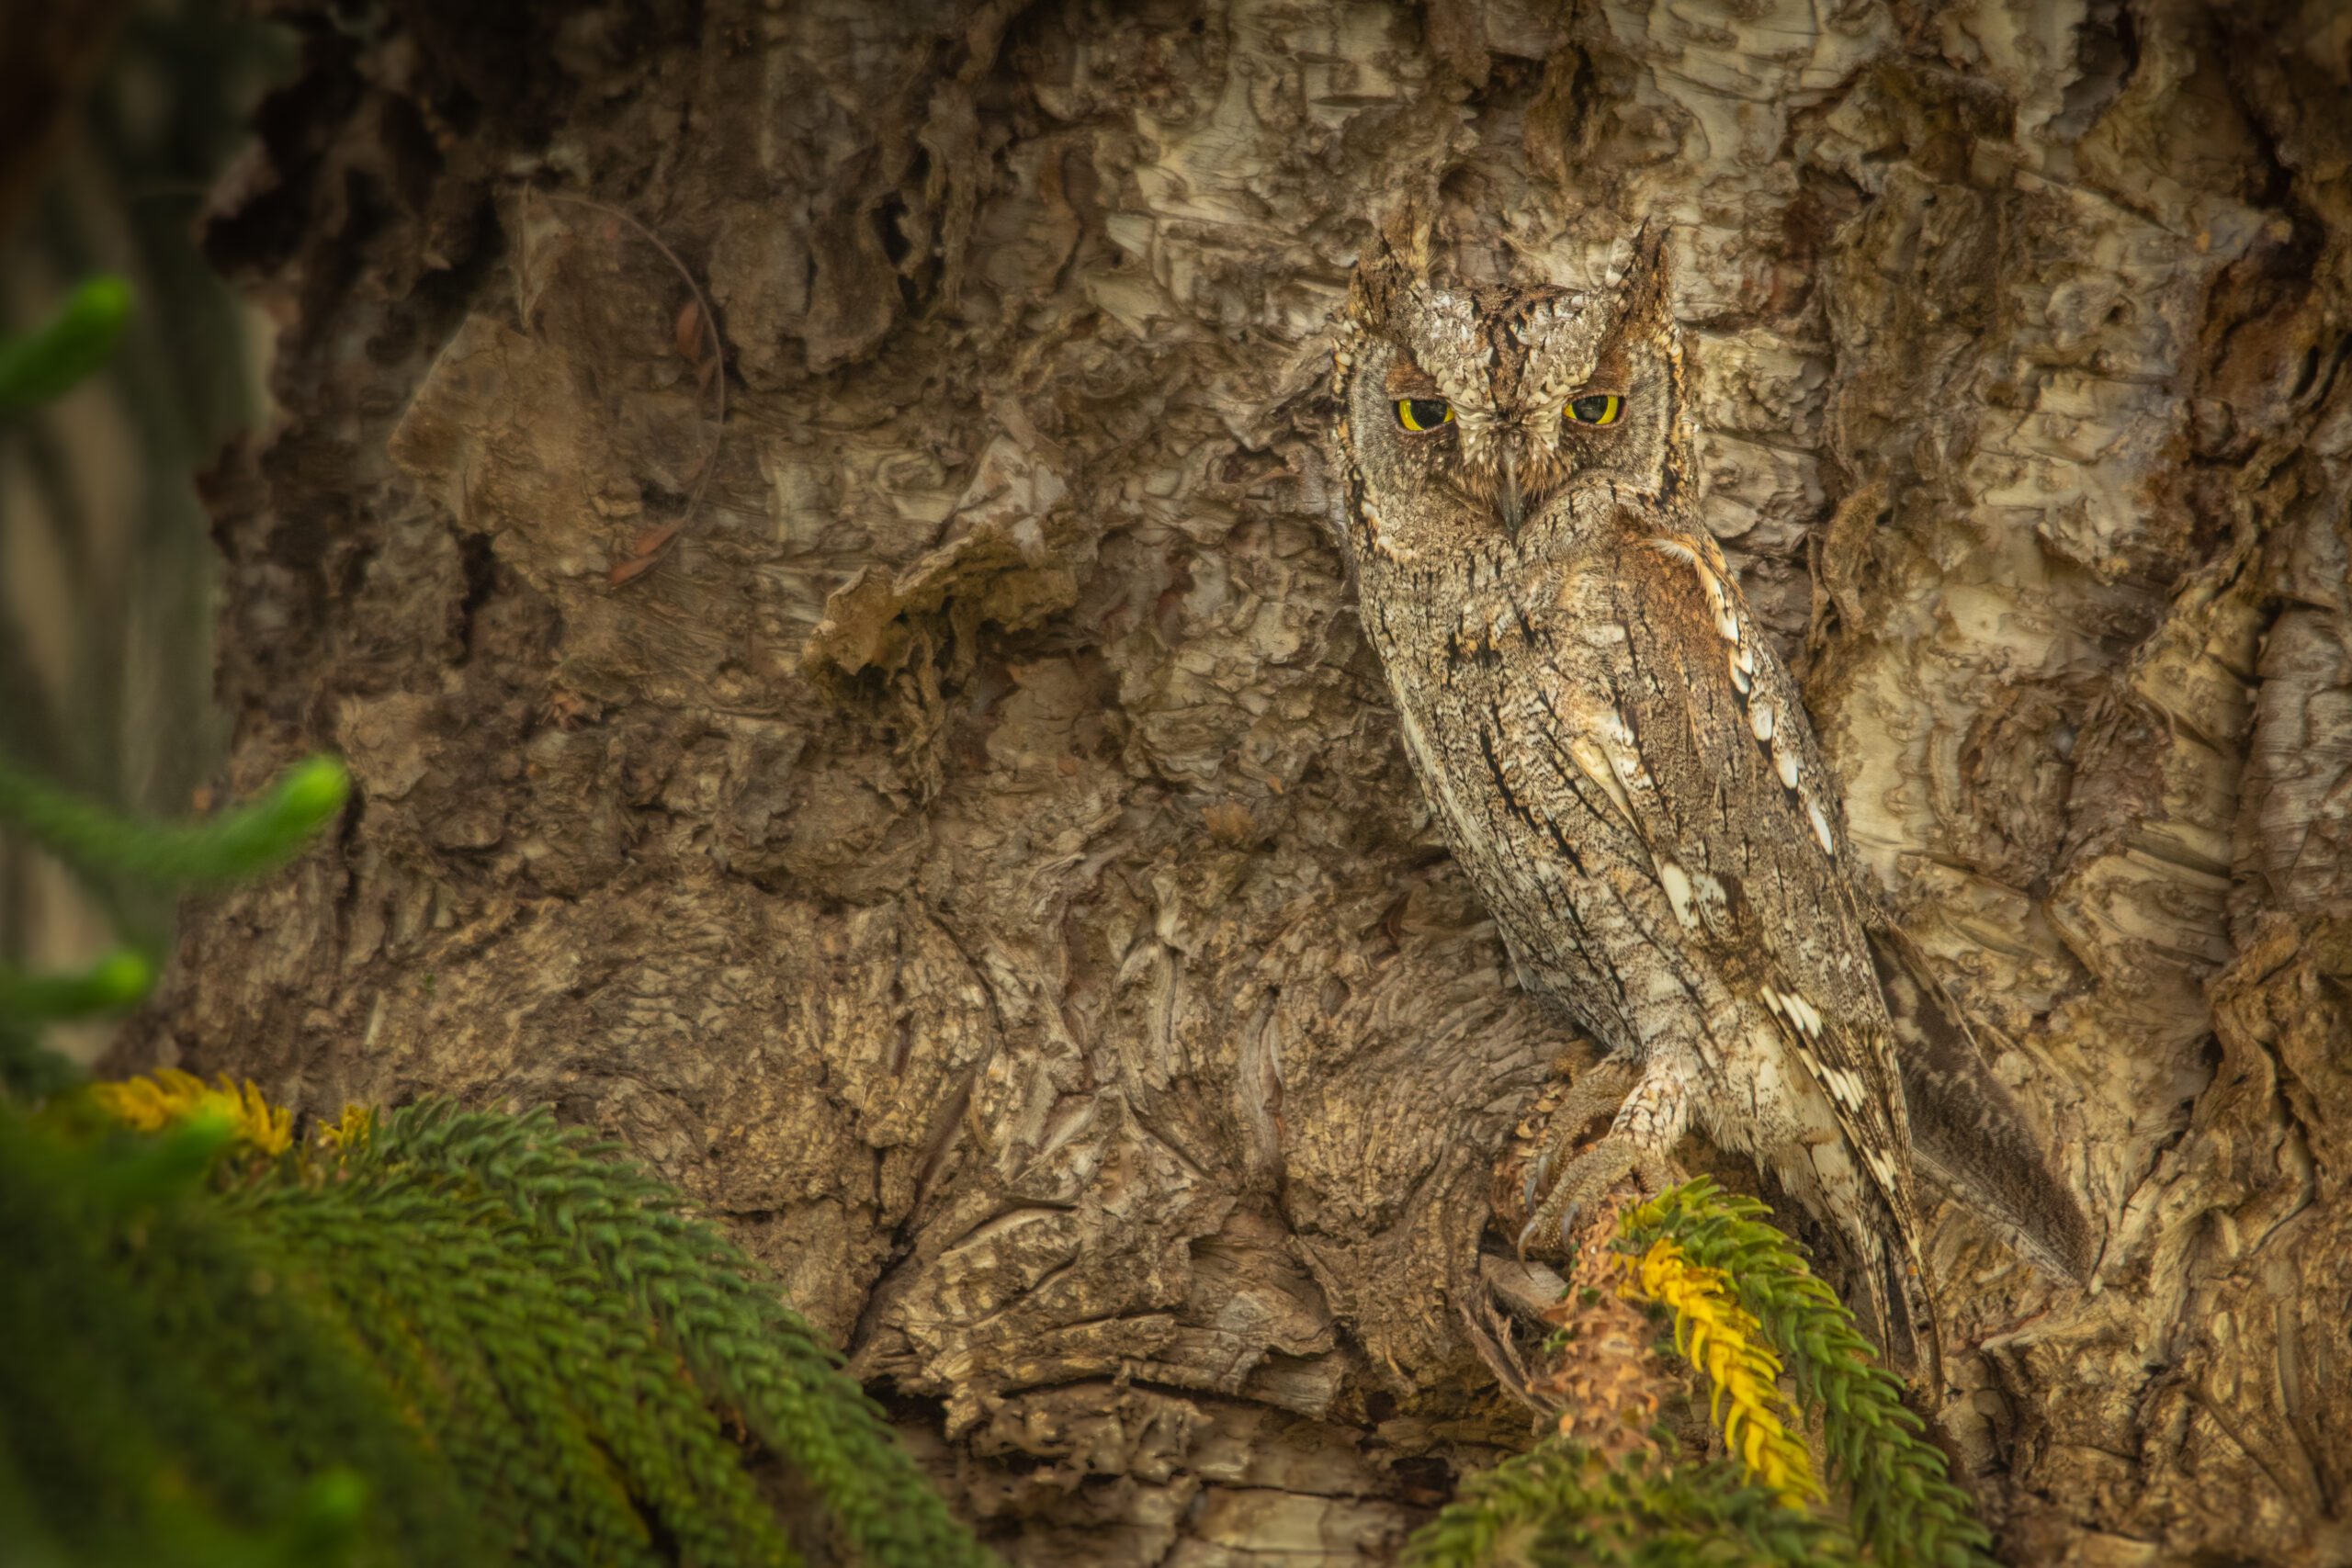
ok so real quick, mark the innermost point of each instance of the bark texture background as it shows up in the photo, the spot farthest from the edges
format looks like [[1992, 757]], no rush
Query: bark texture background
[[977, 856]]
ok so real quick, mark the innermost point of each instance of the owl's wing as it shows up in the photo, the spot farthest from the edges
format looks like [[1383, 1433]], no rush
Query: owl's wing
[[1702, 746], [1968, 1134]]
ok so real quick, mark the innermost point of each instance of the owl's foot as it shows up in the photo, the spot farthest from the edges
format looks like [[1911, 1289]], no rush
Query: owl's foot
[[1597, 1091], [1587, 1180], [1640, 1141]]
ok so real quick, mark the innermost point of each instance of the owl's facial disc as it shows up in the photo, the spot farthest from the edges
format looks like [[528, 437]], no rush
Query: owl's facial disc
[[1558, 391], [1529, 419]]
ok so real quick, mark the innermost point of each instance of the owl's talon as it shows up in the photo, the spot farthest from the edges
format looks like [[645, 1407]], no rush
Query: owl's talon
[[1567, 1229], [1533, 1187], [1659, 1172]]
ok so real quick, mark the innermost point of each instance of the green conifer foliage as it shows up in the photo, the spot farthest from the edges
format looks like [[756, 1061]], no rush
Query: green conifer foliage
[[1561, 1507], [162, 1398], [1901, 1500], [626, 1230], [45, 364], [518, 1340]]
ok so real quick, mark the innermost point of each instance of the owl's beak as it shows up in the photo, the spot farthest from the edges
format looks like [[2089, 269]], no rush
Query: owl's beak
[[1512, 506]]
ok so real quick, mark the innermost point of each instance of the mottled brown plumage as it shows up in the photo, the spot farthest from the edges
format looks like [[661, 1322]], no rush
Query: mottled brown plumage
[[1625, 768]]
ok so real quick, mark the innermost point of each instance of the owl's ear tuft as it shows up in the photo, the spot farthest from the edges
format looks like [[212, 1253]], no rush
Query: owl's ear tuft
[[1400, 245], [1394, 264], [1647, 288], [1406, 232]]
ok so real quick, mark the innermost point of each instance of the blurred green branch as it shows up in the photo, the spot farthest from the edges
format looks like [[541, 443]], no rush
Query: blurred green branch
[[238, 843], [47, 363]]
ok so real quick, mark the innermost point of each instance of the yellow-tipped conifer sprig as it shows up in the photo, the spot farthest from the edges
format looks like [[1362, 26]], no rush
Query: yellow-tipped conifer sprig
[[347, 1132], [1721, 1339], [1902, 1501]]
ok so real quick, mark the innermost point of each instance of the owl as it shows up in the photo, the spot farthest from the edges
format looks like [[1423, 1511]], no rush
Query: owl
[[1628, 777]]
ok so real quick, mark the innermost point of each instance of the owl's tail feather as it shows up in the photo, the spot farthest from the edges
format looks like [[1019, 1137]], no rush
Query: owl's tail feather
[[1897, 1309], [1968, 1136], [1905, 1301]]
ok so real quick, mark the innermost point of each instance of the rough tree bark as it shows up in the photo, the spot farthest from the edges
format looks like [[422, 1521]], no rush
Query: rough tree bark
[[975, 855]]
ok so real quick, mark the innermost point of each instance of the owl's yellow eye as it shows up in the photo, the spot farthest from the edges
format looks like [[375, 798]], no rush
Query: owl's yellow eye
[[1600, 409], [1423, 414]]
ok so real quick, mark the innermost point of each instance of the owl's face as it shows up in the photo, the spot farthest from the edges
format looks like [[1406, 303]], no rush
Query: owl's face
[[1519, 420]]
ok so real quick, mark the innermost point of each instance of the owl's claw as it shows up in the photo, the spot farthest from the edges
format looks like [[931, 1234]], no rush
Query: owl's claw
[[1567, 1229], [1531, 1189]]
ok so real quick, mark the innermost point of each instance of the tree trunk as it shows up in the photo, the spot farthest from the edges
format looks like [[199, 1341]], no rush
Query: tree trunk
[[974, 853]]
